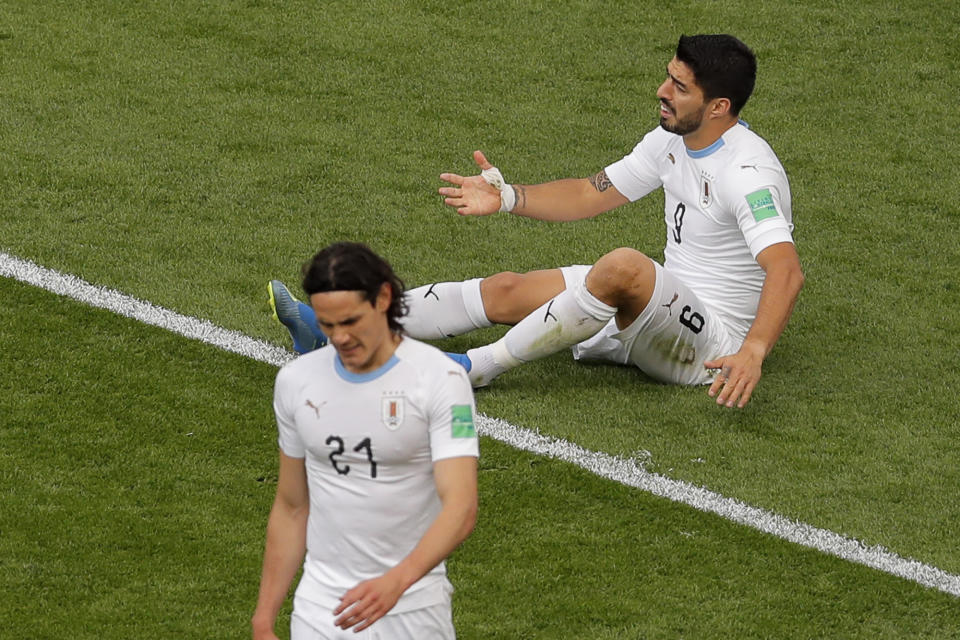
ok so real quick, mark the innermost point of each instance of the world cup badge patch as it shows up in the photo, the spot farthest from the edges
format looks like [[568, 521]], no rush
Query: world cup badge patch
[[762, 205], [391, 412]]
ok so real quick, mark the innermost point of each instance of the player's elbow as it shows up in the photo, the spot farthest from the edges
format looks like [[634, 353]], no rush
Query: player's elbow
[[784, 271], [468, 519], [598, 195], [789, 283], [465, 517], [797, 280]]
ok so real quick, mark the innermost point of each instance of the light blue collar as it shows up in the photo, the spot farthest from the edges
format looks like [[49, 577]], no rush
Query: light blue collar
[[350, 376], [706, 151]]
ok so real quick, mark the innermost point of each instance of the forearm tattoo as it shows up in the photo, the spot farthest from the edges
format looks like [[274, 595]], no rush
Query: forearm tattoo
[[600, 181], [521, 193]]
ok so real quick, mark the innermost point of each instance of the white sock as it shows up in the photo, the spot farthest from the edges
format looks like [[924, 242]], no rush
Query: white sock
[[444, 310], [571, 317]]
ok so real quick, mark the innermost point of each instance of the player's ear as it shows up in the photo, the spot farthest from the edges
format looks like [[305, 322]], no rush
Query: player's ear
[[384, 298], [720, 107]]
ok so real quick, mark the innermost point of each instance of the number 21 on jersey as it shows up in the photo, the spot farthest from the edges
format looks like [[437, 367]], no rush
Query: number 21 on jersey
[[339, 448]]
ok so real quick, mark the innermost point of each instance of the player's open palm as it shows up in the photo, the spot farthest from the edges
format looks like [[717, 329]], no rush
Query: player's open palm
[[473, 195]]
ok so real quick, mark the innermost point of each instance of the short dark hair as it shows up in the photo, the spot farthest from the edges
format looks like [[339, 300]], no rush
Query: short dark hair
[[353, 266], [723, 67]]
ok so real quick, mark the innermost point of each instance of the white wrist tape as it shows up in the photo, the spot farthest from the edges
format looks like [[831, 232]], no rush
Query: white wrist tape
[[508, 197]]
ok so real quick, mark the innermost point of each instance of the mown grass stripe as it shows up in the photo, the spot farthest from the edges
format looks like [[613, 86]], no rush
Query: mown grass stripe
[[622, 470]]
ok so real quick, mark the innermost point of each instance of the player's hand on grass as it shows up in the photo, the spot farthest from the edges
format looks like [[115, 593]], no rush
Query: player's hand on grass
[[368, 602], [471, 196], [737, 376]]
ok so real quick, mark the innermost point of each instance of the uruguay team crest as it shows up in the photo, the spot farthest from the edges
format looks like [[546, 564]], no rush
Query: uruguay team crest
[[391, 412], [706, 190]]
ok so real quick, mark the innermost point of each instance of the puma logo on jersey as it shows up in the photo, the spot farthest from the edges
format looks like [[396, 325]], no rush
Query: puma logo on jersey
[[315, 407]]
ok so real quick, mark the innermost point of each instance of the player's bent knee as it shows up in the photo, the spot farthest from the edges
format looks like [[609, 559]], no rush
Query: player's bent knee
[[622, 267], [622, 273]]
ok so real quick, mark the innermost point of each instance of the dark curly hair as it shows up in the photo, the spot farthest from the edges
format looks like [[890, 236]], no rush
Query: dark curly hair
[[723, 67], [353, 266]]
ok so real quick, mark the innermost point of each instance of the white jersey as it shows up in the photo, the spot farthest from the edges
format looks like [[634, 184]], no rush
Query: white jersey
[[369, 443], [723, 206]]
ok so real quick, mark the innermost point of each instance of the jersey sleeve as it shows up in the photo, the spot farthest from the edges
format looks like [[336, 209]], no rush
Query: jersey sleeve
[[763, 209], [636, 174], [452, 416], [288, 438]]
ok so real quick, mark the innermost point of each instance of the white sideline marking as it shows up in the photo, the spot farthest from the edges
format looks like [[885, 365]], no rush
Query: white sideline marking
[[624, 471]]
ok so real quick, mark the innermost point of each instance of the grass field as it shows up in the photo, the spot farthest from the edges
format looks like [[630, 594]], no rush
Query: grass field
[[186, 152]]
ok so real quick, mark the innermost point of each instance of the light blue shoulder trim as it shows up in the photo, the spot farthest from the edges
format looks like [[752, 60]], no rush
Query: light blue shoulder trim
[[350, 376]]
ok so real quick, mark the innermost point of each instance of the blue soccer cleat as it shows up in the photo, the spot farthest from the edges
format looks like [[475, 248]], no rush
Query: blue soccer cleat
[[297, 317], [460, 358]]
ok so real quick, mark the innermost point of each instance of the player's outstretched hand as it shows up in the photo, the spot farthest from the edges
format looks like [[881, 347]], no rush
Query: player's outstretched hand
[[737, 377], [368, 602], [471, 196]]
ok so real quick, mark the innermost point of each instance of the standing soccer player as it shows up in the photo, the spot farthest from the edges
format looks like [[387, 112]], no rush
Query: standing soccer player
[[378, 467], [730, 278]]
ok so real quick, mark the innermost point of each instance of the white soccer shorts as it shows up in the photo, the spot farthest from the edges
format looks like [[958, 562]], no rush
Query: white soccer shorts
[[669, 341], [310, 621]]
